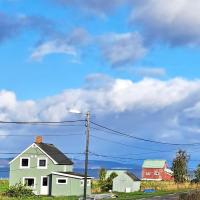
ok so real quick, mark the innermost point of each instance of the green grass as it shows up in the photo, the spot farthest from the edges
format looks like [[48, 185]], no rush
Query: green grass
[[3, 185], [140, 195]]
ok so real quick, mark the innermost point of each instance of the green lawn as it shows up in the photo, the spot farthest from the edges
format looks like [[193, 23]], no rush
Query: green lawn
[[121, 196], [140, 195]]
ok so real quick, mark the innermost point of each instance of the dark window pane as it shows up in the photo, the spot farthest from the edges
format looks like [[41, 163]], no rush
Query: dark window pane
[[42, 163], [25, 162], [29, 182], [61, 180], [45, 181]]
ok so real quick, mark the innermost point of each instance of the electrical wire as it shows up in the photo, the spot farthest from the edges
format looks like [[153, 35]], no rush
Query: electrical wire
[[116, 132]]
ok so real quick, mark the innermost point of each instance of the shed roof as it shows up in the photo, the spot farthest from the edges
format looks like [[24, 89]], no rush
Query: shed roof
[[55, 154], [154, 164], [72, 175], [132, 176]]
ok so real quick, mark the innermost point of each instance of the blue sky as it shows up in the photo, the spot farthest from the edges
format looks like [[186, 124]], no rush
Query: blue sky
[[134, 64]]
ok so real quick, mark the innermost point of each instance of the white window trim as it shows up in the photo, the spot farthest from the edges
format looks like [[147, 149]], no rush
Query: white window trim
[[42, 181], [62, 183], [38, 161], [82, 182], [24, 167], [30, 178]]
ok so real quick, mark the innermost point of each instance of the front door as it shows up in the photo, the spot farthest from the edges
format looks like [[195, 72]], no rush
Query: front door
[[44, 185]]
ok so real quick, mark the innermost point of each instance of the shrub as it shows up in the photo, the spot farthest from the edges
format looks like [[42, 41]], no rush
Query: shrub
[[195, 195], [19, 190]]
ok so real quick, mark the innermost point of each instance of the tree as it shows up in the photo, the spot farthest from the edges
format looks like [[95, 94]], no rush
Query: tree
[[106, 183], [179, 166], [197, 174]]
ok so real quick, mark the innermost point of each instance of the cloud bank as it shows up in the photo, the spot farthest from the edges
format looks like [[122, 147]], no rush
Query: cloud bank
[[174, 22]]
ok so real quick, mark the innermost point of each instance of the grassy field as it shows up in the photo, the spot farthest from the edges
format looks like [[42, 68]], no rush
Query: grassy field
[[121, 196]]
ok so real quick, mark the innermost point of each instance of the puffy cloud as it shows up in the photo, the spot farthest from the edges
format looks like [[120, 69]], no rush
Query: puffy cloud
[[122, 49], [176, 22], [150, 108]]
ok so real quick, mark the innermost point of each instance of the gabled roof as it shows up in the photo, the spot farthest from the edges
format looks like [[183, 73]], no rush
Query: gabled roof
[[52, 152], [154, 164], [132, 176], [55, 154], [71, 174]]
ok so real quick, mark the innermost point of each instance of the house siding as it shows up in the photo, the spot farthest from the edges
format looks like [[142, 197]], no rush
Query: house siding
[[17, 174], [72, 188], [123, 182], [150, 174]]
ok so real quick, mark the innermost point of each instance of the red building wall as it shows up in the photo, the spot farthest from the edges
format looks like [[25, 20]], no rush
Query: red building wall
[[156, 174]]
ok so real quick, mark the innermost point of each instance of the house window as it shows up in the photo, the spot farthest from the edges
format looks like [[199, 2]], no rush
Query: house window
[[61, 181], [30, 182], [88, 182], [148, 173], [24, 162], [82, 182], [42, 163], [156, 173]]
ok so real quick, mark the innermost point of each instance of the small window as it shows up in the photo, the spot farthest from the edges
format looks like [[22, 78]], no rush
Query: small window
[[25, 162], [88, 182], [42, 163], [82, 182], [61, 181], [148, 173], [156, 173], [30, 182]]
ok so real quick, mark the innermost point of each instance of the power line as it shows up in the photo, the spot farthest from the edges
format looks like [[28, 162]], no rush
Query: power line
[[40, 122], [130, 146], [115, 132], [46, 135]]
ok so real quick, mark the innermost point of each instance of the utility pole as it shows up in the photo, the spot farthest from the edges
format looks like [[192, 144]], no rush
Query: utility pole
[[87, 124]]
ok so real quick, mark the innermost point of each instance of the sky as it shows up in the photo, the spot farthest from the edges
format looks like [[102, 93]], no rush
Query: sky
[[134, 64]]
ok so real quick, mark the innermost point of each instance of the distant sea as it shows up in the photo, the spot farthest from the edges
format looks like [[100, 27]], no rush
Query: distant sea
[[93, 171]]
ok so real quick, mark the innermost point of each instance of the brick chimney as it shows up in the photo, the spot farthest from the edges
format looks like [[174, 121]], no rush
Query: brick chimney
[[38, 139]]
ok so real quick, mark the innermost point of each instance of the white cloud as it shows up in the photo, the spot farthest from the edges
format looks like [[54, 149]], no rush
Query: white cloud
[[122, 49], [176, 22], [62, 44], [150, 108], [52, 47]]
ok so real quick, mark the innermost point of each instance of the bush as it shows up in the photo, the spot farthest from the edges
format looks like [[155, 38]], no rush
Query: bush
[[19, 190], [195, 195]]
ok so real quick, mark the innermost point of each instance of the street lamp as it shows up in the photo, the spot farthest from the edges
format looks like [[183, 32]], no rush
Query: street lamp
[[87, 125]]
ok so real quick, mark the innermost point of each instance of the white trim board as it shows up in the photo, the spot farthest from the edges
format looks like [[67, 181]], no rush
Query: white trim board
[[32, 145], [70, 175]]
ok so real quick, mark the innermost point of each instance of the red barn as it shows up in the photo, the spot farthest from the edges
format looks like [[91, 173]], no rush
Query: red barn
[[156, 170]]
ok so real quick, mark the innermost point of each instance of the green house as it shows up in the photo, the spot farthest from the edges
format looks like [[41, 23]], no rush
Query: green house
[[47, 171]]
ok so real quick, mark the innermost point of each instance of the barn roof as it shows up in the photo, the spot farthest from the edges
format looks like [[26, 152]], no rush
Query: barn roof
[[154, 164]]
